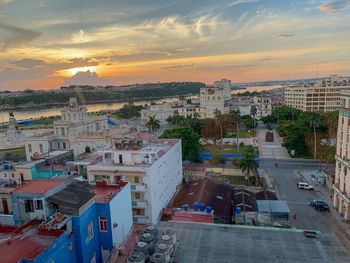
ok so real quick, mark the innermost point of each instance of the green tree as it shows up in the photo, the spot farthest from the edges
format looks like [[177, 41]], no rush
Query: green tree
[[253, 113], [211, 130], [217, 159], [218, 118], [236, 116], [315, 122], [190, 142], [248, 165], [153, 124], [331, 121]]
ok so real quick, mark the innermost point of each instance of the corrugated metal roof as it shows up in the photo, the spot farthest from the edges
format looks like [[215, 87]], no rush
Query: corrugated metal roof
[[273, 206]]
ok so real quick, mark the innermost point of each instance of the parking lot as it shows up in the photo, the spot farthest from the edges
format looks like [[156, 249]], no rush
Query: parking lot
[[286, 176]]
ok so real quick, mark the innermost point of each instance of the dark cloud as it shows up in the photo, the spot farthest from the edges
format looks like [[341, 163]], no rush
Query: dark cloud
[[15, 36], [28, 63], [180, 66], [268, 58], [86, 78], [332, 7], [284, 35]]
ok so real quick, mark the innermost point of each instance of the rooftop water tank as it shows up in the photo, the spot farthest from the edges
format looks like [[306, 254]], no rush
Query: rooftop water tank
[[152, 230], [163, 249], [172, 234], [209, 209], [144, 248], [195, 206], [238, 210], [186, 207], [136, 257], [202, 207], [149, 239], [157, 258]]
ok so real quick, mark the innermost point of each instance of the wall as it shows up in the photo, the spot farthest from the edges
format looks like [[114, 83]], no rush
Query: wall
[[121, 213], [162, 180], [105, 238], [36, 146], [57, 252], [86, 248], [6, 196]]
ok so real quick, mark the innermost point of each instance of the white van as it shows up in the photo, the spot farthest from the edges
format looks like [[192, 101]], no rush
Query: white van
[[304, 186]]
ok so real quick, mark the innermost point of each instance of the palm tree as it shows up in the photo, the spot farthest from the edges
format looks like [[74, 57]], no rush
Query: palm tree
[[248, 164], [153, 124], [315, 122], [236, 116]]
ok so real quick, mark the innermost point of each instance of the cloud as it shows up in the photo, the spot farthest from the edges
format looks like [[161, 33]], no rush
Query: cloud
[[27, 63], [239, 2], [269, 58], [5, 1], [180, 66], [333, 7], [15, 36], [284, 35], [86, 78]]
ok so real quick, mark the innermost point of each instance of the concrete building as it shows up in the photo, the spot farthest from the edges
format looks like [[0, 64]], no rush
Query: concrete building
[[215, 97], [244, 104], [13, 133], [74, 121], [322, 95], [153, 167], [163, 111], [85, 222], [341, 185]]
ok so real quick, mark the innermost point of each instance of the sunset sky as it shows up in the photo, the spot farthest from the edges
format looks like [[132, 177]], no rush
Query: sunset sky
[[49, 43]]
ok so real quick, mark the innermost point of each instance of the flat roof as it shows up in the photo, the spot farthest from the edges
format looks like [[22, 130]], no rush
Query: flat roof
[[37, 186], [273, 206], [200, 242], [105, 193], [26, 244]]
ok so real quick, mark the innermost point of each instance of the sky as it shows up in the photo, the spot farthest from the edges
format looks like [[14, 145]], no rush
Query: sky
[[46, 44]]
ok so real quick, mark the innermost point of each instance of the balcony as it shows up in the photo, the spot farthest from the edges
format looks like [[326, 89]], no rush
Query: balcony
[[140, 219], [139, 204], [138, 188]]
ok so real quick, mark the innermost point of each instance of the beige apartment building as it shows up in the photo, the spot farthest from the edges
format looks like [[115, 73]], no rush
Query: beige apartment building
[[341, 185], [322, 95]]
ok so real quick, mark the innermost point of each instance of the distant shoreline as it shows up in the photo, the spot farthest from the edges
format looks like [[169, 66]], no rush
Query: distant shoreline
[[61, 104]]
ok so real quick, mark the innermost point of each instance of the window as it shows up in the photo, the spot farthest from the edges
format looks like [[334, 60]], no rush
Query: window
[[30, 149], [103, 223], [137, 180], [91, 230], [64, 145], [38, 205], [28, 206], [63, 131], [41, 148], [137, 195]]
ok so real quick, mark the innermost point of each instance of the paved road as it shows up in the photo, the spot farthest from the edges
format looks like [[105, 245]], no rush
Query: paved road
[[286, 177], [270, 149]]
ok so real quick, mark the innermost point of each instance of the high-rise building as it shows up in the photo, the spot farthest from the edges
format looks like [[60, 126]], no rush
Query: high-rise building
[[215, 98], [153, 167], [322, 95], [341, 185]]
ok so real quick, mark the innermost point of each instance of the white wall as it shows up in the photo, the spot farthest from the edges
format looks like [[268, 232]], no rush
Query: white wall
[[162, 180], [121, 213]]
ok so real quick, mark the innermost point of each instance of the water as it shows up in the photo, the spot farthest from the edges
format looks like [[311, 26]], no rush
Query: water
[[35, 114]]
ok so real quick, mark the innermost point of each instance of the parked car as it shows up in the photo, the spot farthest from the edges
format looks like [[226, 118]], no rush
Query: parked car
[[319, 205], [305, 186]]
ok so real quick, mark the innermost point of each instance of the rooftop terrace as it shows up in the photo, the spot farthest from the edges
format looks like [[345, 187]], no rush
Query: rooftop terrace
[[37, 186], [105, 193]]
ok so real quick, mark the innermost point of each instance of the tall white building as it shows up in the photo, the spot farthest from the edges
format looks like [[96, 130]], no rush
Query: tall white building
[[153, 167], [322, 95], [213, 98], [341, 185], [13, 133]]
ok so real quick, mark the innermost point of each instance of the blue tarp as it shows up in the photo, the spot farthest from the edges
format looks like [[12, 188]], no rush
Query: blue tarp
[[112, 122], [227, 156], [25, 122]]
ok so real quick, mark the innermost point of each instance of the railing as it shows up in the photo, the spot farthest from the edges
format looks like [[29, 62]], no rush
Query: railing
[[139, 204], [138, 187], [140, 219]]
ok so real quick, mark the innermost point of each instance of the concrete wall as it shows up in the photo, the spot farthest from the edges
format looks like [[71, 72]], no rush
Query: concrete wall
[[86, 248], [162, 180], [121, 214]]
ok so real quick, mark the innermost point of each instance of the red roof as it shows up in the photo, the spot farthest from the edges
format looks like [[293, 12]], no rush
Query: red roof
[[193, 217], [105, 193], [27, 243], [37, 186]]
